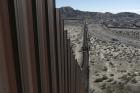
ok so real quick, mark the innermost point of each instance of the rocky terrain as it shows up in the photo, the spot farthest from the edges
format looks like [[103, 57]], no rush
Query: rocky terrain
[[114, 56], [114, 67]]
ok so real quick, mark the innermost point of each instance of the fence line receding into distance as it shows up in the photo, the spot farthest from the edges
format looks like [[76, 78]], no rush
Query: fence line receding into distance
[[35, 54]]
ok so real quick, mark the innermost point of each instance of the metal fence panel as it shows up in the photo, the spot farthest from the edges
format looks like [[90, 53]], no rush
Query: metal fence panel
[[36, 55]]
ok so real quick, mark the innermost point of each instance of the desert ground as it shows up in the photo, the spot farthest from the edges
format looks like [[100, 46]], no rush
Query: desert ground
[[114, 57]]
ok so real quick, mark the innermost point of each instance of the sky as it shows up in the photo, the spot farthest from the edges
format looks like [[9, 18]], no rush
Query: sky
[[113, 6]]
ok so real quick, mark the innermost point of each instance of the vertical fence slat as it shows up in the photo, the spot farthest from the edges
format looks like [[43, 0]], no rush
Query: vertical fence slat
[[59, 51], [43, 45], [24, 24], [75, 77], [62, 54], [50, 11], [69, 64], [72, 72], [66, 62], [8, 82], [77, 82]]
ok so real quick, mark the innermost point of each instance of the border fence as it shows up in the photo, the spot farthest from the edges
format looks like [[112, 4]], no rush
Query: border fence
[[35, 53]]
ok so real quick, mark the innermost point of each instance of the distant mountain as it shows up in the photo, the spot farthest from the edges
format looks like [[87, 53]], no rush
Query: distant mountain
[[123, 19]]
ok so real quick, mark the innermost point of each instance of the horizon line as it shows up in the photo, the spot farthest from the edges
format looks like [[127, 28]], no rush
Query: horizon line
[[103, 11]]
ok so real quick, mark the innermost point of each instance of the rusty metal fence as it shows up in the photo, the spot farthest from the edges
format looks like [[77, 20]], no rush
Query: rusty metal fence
[[35, 54]]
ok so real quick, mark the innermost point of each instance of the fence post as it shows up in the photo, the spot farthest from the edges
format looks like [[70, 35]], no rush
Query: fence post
[[85, 65]]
